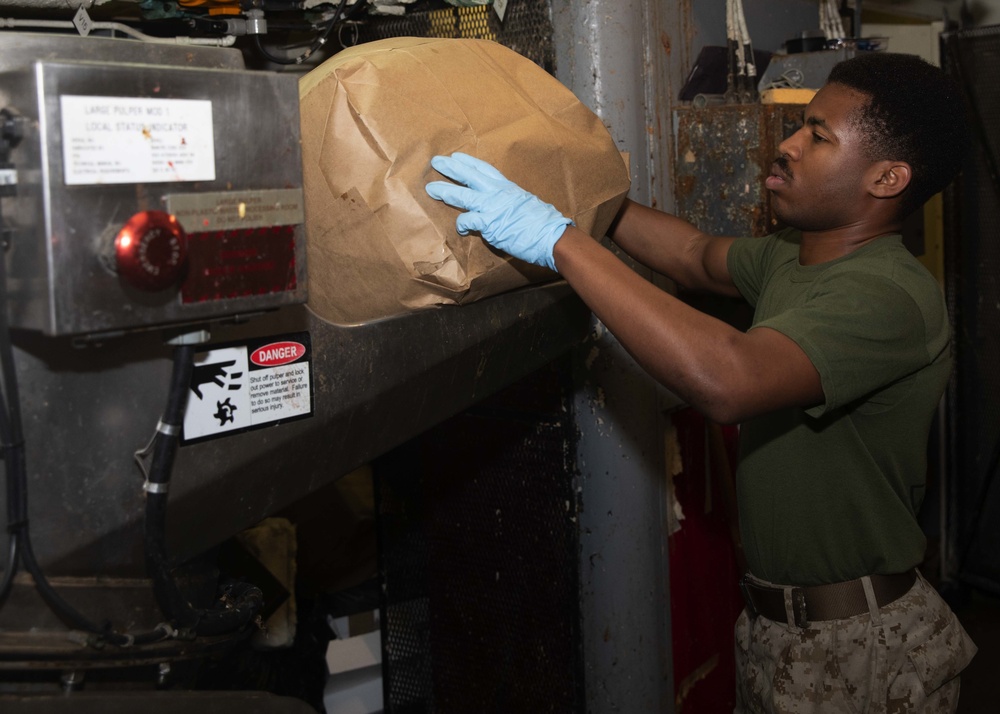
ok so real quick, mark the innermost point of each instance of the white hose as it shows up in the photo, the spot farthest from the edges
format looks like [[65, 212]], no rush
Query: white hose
[[829, 20], [751, 67], [226, 41], [733, 34]]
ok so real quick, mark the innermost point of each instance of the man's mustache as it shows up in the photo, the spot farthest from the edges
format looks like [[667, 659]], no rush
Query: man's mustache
[[782, 163]]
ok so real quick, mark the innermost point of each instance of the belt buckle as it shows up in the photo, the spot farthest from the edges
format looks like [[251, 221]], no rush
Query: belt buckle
[[799, 608], [747, 598]]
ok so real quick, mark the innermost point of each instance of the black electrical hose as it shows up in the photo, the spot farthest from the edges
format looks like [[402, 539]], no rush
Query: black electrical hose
[[13, 559], [317, 43], [247, 598], [13, 448], [17, 502], [243, 600], [14, 498], [9, 137]]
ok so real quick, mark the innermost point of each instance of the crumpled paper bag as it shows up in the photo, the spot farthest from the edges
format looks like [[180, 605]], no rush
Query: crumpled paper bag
[[373, 116]]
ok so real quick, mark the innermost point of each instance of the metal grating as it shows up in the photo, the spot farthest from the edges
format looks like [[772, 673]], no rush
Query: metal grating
[[478, 539], [479, 547], [471, 22], [973, 285], [526, 28]]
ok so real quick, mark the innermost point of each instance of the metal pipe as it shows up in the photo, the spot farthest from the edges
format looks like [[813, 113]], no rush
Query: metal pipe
[[226, 41]]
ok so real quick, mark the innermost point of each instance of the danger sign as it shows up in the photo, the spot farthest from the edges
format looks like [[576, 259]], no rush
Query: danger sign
[[237, 387]]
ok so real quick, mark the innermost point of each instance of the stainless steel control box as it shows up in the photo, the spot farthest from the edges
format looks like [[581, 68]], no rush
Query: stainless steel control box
[[151, 195]]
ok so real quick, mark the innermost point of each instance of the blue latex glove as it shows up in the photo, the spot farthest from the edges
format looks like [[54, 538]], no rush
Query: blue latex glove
[[507, 216]]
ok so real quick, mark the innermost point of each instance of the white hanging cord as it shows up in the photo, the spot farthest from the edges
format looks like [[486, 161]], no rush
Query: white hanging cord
[[750, 68], [732, 54], [742, 70], [733, 35], [829, 20]]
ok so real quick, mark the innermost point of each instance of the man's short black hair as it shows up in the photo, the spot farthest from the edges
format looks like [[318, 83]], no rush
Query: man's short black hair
[[915, 114]]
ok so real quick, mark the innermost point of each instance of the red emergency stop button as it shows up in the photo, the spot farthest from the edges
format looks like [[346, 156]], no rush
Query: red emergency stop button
[[151, 251]]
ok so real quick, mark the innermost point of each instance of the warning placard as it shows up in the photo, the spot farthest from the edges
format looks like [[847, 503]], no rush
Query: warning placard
[[249, 385]]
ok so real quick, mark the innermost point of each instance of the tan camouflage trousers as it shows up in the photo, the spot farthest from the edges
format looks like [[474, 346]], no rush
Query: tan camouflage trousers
[[907, 662]]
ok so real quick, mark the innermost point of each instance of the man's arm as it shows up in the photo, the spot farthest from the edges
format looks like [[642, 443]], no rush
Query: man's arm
[[726, 374], [675, 248]]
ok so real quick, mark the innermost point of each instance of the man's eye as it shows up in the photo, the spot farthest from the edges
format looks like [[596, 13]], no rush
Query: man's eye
[[817, 138]]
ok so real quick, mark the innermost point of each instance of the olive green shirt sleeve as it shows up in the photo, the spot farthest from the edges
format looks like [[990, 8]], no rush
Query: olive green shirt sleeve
[[863, 328]]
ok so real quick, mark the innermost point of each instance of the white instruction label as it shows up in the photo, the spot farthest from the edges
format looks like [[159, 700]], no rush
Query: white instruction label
[[109, 140], [247, 386], [501, 8]]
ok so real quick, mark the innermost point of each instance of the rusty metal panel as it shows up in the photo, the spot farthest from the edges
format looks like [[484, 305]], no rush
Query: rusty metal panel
[[724, 154]]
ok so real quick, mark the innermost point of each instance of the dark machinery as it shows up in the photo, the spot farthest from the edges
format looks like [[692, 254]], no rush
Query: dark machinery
[[154, 244]]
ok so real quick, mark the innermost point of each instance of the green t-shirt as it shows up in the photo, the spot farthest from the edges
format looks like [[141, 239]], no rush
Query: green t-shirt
[[831, 493]]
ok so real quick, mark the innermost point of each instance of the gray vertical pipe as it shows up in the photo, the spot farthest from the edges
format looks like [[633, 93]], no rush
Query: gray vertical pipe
[[627, 60], [616, 56]]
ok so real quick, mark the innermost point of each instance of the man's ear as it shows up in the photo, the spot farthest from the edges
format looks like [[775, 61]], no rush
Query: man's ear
[[889, 178]]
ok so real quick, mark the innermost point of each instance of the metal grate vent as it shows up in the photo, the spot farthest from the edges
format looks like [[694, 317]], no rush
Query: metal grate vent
[[526, 28], [478, 556], [471, 22], [478, 538]]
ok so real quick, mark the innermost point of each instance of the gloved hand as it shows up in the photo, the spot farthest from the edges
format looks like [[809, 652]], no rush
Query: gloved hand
[[507, 216]]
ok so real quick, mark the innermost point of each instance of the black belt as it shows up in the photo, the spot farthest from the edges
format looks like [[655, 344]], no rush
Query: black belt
[[815, 603]]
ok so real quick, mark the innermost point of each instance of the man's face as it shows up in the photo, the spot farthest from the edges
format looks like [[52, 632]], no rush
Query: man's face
[[818, 181]]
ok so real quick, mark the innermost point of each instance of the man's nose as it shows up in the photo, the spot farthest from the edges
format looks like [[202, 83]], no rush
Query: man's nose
[[792, 146]]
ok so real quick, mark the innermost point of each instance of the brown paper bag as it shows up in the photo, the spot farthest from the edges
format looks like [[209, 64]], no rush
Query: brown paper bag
[[373, 116]]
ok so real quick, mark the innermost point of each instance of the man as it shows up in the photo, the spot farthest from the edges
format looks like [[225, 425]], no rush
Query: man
[[835, 384]]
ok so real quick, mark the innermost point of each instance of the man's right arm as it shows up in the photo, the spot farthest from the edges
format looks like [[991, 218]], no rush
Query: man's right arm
[[729, 375], [675, 248]]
